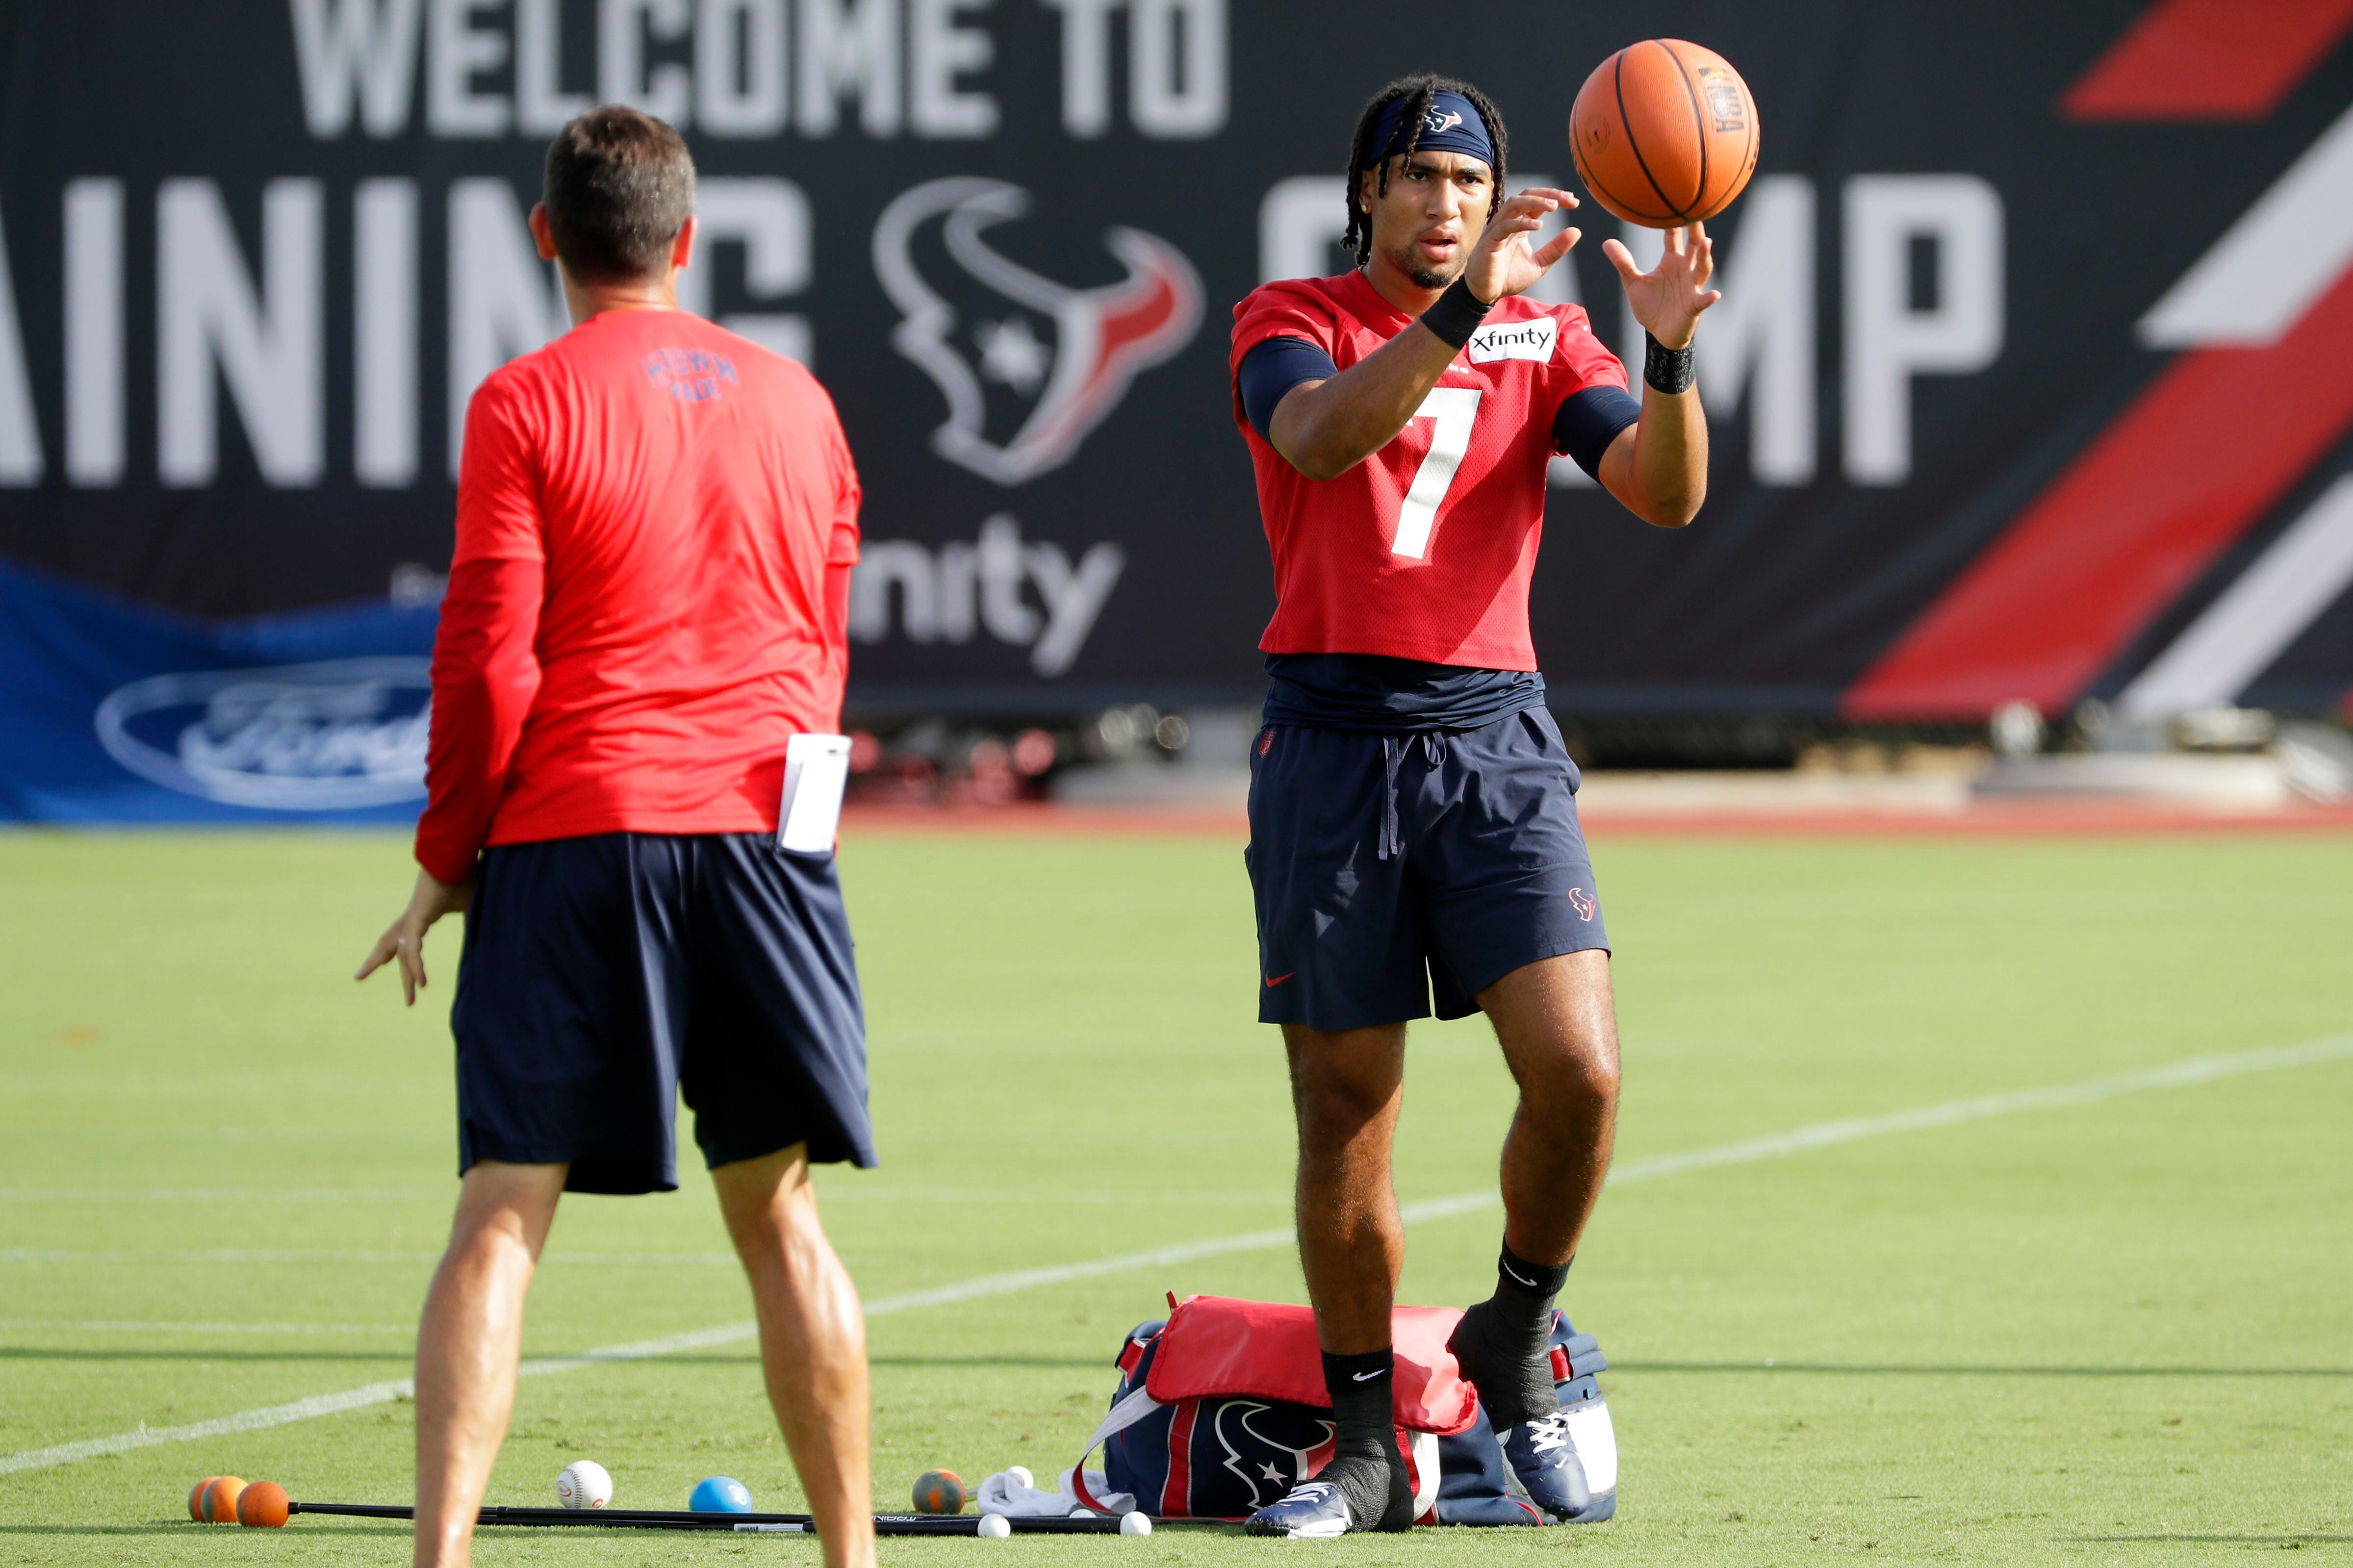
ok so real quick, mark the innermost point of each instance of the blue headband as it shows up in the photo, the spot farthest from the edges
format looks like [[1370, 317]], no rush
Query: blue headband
[[1453, 125]]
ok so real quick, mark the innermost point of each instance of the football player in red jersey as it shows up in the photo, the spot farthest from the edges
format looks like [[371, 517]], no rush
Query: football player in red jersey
[[1413, 814]]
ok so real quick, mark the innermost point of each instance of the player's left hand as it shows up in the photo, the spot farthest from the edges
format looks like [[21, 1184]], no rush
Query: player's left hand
[[405, 938], [1669, 298]]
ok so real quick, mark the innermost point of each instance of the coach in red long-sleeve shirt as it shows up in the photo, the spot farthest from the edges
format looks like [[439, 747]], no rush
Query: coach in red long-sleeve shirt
[[656, 525]]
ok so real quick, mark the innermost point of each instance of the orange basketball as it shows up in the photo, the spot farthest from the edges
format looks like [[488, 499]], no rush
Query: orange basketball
[[219, 1501], [1664, 133], [263, 1506]]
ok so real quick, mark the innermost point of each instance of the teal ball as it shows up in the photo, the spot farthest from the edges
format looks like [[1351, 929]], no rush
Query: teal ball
[[720, 1494]]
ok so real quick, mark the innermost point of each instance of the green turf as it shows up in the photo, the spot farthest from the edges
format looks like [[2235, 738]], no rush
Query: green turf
[[2114, 1332]]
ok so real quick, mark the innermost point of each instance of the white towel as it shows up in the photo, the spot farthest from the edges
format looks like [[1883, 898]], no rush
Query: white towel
[[1012, 1494]]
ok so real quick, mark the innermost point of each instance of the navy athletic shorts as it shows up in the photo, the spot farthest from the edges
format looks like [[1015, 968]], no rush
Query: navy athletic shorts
[[604, 975], [1389, 864]]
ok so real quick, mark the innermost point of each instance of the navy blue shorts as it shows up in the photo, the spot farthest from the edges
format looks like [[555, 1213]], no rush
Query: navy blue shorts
[[604, 975], [1385, 865]]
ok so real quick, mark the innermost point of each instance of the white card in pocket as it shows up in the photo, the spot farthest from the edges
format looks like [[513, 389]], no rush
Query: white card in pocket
[[817, 770]]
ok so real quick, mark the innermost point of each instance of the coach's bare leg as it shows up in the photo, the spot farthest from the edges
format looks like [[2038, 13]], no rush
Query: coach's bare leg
[[1558, 1029], [467, 1346], [812, 1343], [1344, 1089]]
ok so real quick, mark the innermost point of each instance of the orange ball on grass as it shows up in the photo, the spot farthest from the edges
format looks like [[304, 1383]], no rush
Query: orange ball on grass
[[219, 1500], [263, 1506]]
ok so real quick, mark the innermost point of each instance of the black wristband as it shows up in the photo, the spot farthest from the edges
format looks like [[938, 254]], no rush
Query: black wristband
[[1671, 371], [1456, 314]]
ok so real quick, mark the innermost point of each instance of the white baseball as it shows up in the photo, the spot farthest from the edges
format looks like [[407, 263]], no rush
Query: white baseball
[[1021, 1476], [1135, 1522], [584, 1484], [994, 1528]]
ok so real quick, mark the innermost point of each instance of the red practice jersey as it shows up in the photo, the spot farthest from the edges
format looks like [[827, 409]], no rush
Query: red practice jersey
[[1425, 549], [638, 617]]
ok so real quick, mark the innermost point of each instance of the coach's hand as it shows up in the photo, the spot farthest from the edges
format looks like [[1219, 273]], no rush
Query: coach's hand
[[1500, 262], [405, 939], [1669, 298]]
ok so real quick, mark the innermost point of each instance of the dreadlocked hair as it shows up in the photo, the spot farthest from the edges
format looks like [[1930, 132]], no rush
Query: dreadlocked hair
[[1418, 92]]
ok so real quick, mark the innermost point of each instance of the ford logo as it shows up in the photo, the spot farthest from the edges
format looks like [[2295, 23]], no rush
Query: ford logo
[[331, 736]]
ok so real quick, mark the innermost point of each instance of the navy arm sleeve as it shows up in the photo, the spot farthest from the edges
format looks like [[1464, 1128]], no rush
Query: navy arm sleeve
[[1272, 370], [1589, 420]]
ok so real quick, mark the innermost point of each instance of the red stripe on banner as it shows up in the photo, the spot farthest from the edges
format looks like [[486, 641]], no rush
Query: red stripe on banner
[[2193, 463], [2208, 60], [1176, 1492]]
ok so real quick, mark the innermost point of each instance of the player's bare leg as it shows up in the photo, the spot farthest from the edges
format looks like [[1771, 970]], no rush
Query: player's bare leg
[[468, 1344], [812, 1343], [1346, 1087], [1559, 1034], [1558, 1027]]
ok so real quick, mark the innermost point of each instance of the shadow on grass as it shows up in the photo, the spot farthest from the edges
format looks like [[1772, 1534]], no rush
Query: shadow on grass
[[403, 1356], [25, 1352], [175, 1526], [2290, 1539], [1875, 1370]]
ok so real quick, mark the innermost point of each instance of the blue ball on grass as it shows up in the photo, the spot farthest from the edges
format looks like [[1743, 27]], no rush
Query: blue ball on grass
[[720, 1494]]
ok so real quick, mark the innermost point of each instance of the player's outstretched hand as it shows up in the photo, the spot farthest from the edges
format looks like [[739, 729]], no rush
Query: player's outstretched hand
[[405, 938], [1669, 298], [1502, 262]]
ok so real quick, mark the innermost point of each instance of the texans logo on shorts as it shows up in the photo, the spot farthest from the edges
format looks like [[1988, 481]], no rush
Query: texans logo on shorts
[[1582, 902]]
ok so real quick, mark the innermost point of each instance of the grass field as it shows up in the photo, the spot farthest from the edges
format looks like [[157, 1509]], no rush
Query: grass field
[[2118, 1330]]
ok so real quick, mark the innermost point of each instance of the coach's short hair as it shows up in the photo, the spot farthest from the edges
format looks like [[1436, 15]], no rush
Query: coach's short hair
[[620, 185]]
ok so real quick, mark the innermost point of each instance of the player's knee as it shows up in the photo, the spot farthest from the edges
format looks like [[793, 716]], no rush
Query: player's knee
[[1579, 1078], [1333, 1111]]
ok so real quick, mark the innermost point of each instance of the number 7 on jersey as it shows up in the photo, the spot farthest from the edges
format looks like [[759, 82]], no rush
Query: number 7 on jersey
[[1451, 409]]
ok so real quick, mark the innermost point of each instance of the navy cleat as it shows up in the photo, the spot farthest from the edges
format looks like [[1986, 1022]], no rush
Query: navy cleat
[[1352, 1492], [1543, 1456], [1311, 1510]]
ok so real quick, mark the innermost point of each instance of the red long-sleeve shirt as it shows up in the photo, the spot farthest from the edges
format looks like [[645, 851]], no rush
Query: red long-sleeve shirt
[[656, 523]]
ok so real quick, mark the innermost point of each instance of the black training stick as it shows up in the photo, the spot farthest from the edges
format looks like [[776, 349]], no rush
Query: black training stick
[[757, 1523]]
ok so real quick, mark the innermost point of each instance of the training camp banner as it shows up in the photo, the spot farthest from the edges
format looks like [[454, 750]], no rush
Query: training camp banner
[[2031, 380]]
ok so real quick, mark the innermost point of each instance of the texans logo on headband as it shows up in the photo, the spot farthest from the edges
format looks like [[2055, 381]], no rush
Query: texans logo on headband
[[1450, 124]]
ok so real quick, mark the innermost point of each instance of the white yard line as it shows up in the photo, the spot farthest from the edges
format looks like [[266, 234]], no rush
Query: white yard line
[[1820, 1135]]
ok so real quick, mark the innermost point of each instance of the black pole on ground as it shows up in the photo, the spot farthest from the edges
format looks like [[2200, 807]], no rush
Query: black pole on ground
[[680, 1518]]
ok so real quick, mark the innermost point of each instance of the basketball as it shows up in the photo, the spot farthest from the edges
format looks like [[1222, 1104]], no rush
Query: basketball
[[1665, 133]]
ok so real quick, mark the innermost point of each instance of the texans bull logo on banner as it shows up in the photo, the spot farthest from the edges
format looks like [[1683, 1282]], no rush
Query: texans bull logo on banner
[[973, 322]]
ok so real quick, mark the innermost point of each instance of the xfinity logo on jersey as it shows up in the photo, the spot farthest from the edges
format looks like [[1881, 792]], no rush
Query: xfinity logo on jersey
[[1515, 340], [1028, 365]]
